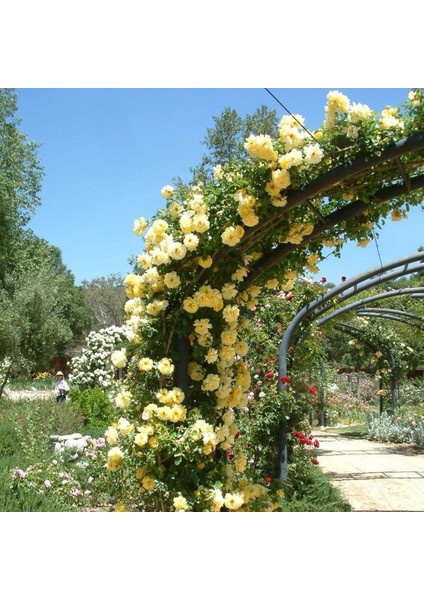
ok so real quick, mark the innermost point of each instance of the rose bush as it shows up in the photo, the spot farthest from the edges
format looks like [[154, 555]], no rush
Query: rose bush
[[191, 298]]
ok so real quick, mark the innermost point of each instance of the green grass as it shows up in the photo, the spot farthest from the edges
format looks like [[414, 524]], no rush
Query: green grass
[[358, 430]]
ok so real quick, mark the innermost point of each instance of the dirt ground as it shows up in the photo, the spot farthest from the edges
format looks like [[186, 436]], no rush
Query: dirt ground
[[373, 476]]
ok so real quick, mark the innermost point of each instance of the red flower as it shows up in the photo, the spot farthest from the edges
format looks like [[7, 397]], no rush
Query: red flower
[[316, 443], [313, 390], [269, 375], [343, 278], [237, 434], [289, 296], [230, 455], [285, 379], [315, 460], [268, 479], [323, 279]]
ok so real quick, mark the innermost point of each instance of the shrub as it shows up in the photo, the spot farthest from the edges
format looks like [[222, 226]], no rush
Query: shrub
[[386, 428], [418, 434], [95, 405]]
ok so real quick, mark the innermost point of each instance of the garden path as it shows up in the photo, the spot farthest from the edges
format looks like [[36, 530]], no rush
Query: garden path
[[373, 477]]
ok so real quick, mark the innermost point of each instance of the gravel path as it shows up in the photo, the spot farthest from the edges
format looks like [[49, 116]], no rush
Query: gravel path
[[373, 476]]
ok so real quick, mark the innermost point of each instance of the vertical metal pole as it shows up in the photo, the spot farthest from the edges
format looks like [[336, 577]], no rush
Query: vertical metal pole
[[181, 366]]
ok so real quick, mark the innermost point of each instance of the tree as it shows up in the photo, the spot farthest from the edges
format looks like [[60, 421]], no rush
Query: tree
[[20, 178], [105, 297], [225, 141]]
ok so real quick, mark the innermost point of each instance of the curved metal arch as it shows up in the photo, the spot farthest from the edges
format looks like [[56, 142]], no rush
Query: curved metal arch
[[364, 301], [321, 187], [345, 290], [395, 315]]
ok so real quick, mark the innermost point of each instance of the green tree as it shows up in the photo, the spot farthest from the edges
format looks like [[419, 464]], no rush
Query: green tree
[[225, 141], [106, 298], [20, 179]]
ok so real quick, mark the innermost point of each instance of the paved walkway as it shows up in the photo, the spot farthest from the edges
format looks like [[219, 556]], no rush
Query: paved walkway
[[373, 476]]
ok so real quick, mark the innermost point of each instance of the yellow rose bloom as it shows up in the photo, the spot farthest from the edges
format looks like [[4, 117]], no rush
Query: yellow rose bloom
[[200, 223], [148, 482], [217, 500], [124, 426], [163, 413], [211, 356], [190, 306], [233, 501], [241, 348], [145, 364], [119, 358], [139, 226], [202, 326], [229, 291], [111, 436], [231, 236], [191, 241], [260, 146], [210, 383], [123, 399], [178, 413], [231, 314], [167, 191], [149, 411], [180, 504], [172, 280], [177, 251], [141, 439], [165, 366], [205, 263], [228, 337], [115, 457]]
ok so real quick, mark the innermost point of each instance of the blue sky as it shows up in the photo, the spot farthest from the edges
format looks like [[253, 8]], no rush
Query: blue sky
[[108, 152]]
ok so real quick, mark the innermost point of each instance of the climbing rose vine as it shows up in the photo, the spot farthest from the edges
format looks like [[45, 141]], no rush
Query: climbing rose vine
[[193, 291]]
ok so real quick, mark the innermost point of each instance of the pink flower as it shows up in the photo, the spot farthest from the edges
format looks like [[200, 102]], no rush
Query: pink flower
[[253, 308], [54, 462], [101, 442], [21, 473]]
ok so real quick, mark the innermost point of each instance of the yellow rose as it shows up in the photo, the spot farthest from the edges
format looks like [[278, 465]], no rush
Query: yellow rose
[[165, 366], [205, 263], [148, 482], [145, 364], [190, 306], [233, 501], [180, 504], [115, 457], [111, 436]]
